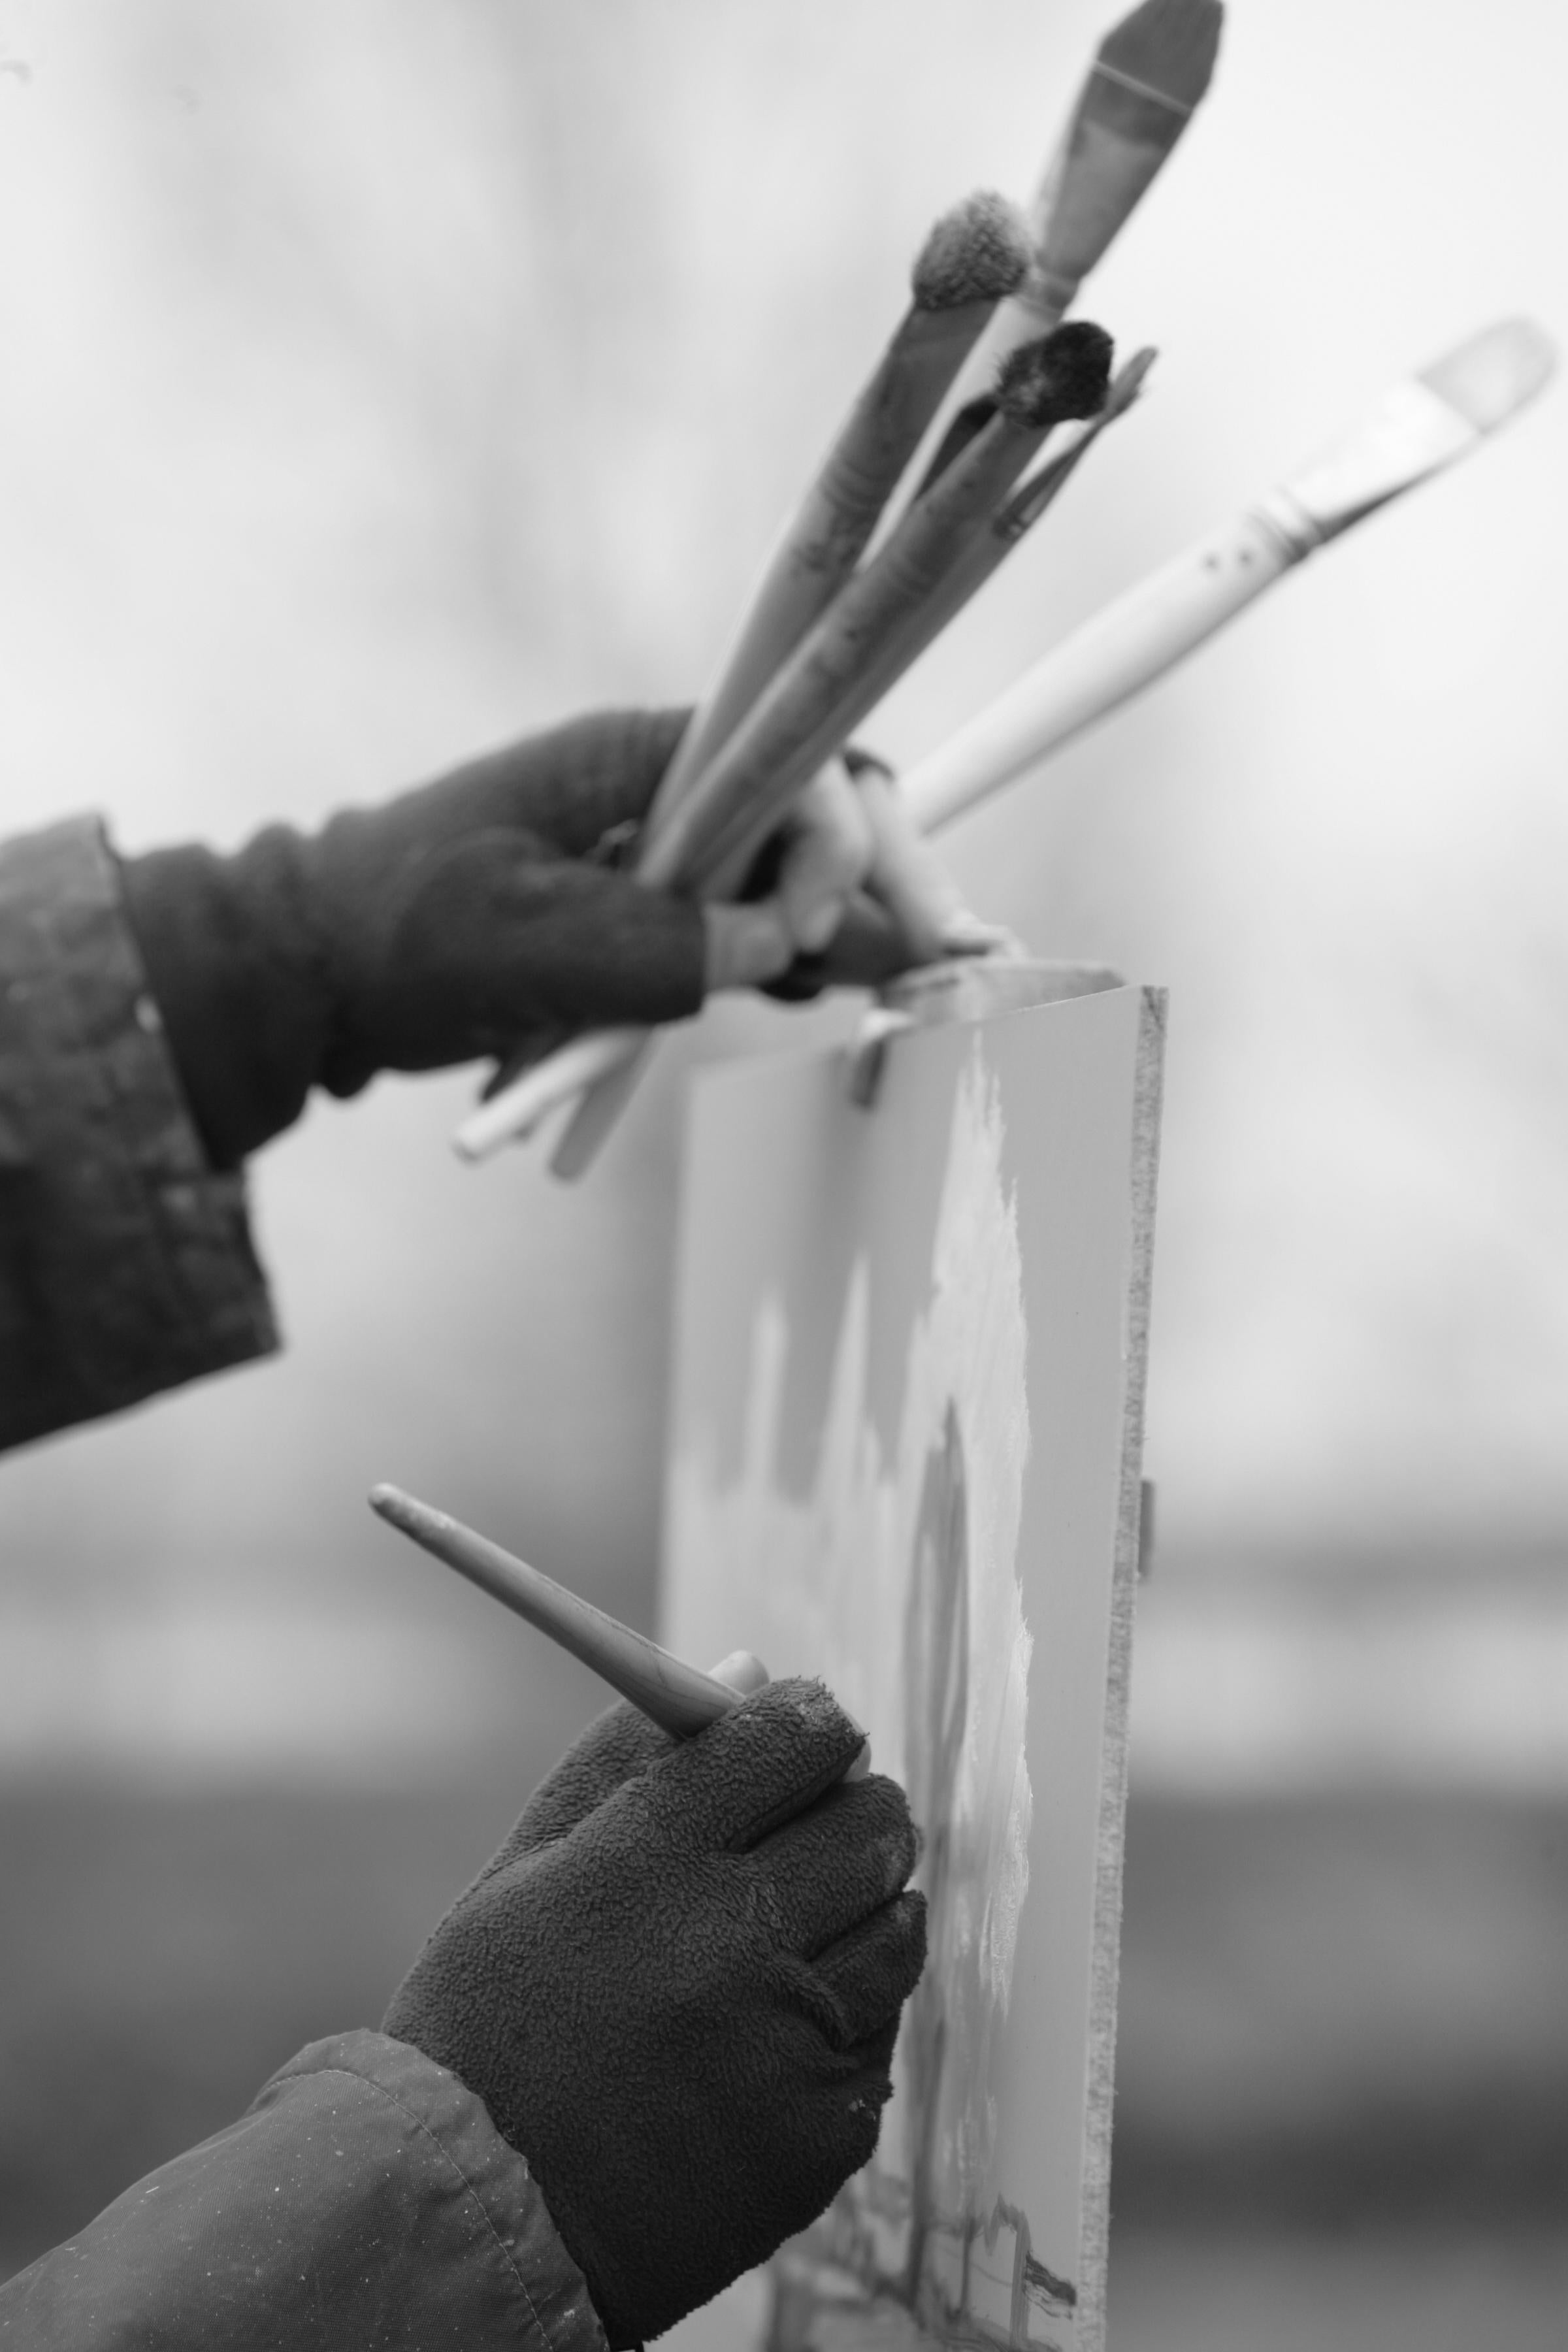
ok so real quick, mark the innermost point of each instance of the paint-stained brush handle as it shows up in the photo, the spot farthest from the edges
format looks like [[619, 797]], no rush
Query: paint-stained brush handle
[[677, 1697]]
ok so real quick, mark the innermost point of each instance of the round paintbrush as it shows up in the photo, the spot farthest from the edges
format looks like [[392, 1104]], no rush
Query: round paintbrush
[[677, 1697], [974, 256], [1149, 74], [820, 694], [814, 702], [1421, 426], [1002, 532]]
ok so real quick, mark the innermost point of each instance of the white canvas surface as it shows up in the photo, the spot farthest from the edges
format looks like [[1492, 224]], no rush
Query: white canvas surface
[[904, 1453]]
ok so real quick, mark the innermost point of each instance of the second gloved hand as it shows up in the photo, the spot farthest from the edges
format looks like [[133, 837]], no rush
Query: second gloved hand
[[677, 1990]]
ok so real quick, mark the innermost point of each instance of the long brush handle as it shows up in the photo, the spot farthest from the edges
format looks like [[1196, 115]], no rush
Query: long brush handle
[[515, 1110], [909, 883], [1125, 647], [995, 539], [1101, 664], [671, 1694]]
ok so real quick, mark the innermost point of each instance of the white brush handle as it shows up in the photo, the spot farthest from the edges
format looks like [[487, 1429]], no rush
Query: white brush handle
[[516, 1110], [1122, 649], [598, 1110]]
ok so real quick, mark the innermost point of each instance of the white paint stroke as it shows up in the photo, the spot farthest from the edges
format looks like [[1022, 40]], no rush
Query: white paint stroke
[[820, 1581]]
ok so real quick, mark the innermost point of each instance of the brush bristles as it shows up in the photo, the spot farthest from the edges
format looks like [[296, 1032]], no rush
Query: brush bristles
[[1066, 374], [978, 252], [1492, 375], [1168, 47]]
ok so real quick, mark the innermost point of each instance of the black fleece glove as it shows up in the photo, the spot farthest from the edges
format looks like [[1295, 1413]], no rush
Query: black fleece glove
[[677, 1990], [440, 928]]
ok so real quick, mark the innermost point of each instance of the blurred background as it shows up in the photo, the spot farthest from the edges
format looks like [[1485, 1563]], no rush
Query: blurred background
[[382, 380]]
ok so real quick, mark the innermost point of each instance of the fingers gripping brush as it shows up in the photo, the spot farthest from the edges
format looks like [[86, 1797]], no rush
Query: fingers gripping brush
[[679, 1698], [832, 679], [1150, 74], [925, 917], [1419, 428]]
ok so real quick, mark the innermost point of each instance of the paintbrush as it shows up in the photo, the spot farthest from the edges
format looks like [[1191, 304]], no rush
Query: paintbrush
[[928, 907], [1149, 75], [1421, 426], [815, 699], [677, 1697], [975, 255], [820, 694]]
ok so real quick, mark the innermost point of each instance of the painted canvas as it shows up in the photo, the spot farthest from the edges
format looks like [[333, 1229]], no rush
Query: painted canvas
[[905, 1450]]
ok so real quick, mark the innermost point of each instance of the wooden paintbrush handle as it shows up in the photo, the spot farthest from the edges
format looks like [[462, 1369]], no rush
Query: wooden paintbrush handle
[[515, 1110], [1122, 649], [676, 1697]]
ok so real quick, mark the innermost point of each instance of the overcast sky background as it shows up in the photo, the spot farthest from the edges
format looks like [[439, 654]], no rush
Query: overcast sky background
[[382, 380]]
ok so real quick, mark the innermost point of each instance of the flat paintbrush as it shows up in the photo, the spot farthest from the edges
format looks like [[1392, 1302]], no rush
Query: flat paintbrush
[[975, 255], [820, 693], [1004, 530], [816, 697], [1149, 74], [1420, 427], [923, 902], [676, 1697]]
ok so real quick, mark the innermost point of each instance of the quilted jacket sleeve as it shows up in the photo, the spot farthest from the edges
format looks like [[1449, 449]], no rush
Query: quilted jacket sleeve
[[126, 1265], [365, 2204]]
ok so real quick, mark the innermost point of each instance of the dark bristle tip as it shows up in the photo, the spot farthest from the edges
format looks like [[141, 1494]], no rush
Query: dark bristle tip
[[1066, 374], [1169, 45], [978, 252]]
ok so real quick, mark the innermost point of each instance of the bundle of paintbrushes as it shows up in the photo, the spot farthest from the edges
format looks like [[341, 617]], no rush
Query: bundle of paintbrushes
[[922, 495]]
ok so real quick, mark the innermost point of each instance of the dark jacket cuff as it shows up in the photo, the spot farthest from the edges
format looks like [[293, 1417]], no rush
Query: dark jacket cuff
[[365, 2201], [126, 1265]]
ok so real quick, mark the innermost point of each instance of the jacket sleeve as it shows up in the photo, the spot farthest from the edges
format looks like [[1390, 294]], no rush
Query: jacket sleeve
[[365, 2204], [126, 1264]]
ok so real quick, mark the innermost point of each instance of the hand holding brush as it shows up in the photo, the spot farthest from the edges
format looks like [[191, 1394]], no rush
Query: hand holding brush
[[835, 675]]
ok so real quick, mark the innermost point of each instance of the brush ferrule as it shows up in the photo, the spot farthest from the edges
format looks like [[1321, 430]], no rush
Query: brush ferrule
[[1143, 89], [1291, 530], [1412, 432], [1045, 299]]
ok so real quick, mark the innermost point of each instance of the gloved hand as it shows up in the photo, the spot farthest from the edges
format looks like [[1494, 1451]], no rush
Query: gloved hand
[[467, 917], [677, 1989]]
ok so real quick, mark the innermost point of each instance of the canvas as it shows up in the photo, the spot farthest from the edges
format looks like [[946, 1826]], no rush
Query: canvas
[[905, 1456]]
